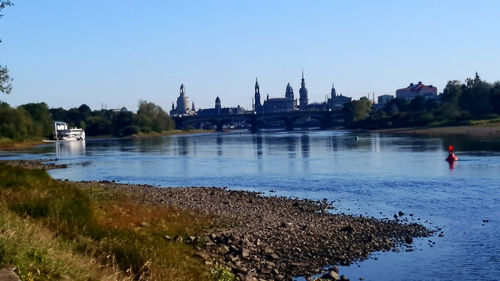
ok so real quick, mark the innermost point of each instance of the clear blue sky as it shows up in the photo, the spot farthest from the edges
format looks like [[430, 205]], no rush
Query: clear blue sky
[[116, 52]]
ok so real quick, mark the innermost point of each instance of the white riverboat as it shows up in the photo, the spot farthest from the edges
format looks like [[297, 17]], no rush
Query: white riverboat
[[62, 132]]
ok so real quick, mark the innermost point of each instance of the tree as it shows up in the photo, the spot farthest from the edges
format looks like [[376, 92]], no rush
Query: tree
[[357, 110], [42, 121], [151, 117], [5, 79]]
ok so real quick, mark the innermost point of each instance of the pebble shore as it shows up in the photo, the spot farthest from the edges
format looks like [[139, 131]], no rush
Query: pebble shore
[[278, 238]]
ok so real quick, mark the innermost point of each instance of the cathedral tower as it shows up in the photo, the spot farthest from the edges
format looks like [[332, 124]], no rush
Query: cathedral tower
[[218, 105], [303, 101], [258, 105], [289, 92]]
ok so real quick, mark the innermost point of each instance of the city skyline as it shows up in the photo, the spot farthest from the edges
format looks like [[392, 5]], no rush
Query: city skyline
[[119, 52]]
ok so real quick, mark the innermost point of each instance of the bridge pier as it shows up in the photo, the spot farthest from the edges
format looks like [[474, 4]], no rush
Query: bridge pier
[[219, 125], [326, 123], [289, 124], [253, 125]]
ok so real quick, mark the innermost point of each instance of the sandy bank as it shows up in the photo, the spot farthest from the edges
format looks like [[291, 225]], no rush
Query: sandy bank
[[483, 130]]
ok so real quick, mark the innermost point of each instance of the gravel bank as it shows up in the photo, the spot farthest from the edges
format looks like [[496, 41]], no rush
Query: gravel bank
[[276, 238]]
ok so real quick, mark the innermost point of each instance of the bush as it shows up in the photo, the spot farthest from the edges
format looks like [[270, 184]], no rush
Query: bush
[[130, 130]]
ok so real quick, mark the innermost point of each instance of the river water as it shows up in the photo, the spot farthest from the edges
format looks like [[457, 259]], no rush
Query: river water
[[377, 175]]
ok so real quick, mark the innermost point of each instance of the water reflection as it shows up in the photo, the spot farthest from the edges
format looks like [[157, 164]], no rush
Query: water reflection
[[219, 145], [305, 145], [69, 149], [257, 140]]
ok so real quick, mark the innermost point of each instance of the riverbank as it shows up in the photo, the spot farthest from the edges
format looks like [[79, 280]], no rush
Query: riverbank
[[256, 237], [476, 129], [12, 145]]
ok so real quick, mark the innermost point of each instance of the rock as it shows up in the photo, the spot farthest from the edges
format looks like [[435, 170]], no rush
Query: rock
[[268, 251], [144, 224], [222, 249], [168, 238], [343, 278], [408, 240], [8, 275], [400, 213], [274, 257], [177, 238], [245, 253], [349, 229], [331, 275]]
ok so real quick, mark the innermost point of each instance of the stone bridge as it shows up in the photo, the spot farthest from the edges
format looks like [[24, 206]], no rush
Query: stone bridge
[[326, 118]]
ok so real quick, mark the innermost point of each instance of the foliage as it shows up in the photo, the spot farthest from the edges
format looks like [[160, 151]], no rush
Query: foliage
[[35, 120], [52, 230], [5, 79], [357, 110], [221, 273], [15, 123], [151, 117]]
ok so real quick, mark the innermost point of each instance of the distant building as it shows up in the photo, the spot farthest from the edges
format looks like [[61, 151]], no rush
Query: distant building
[[413, 91], [384, 99], [219, 110], [336, 102], [288, 103], [182, 104], [303, 94], [257, 105]]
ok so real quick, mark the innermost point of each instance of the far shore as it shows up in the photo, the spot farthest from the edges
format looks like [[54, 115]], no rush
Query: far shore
[[13, 145], [480, 130]]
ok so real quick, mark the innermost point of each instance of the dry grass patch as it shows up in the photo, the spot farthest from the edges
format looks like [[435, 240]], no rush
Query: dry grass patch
[[52, 230]]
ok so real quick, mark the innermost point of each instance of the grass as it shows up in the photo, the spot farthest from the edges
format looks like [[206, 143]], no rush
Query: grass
[[8, 144], [53, 230]]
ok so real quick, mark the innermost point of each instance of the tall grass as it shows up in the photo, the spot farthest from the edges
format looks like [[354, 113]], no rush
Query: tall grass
[[53, 230]]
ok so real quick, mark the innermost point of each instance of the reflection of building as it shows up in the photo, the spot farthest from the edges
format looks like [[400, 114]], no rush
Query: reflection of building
[[413, 91], [336, 102], [288, 103], [219, 110], [182, 104]]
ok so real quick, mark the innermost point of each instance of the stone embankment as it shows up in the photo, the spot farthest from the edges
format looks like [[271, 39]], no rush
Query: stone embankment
[[276, 238]]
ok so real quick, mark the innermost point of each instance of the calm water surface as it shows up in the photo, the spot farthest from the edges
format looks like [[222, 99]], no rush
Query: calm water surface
[[375, 176]]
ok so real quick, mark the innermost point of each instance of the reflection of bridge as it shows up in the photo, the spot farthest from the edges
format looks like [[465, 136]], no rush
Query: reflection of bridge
[[326, 118]]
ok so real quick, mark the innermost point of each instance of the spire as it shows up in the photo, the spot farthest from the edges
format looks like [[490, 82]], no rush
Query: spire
[[302, 74], [182, 89]]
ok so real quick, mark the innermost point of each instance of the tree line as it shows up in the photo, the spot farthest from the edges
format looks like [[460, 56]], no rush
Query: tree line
[[459, 103], [35, 120]]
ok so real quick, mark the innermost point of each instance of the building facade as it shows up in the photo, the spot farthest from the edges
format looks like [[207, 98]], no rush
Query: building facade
[[183, 107], [415, 90], [288, 103], [336, 102]]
